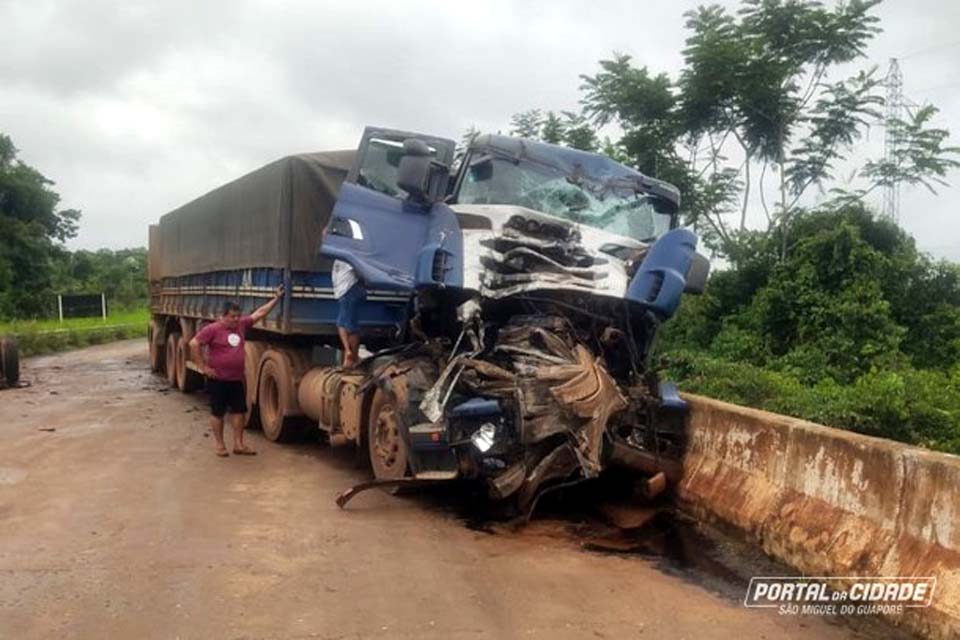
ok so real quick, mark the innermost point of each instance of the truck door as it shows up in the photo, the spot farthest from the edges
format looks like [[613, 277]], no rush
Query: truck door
[[374, 226]]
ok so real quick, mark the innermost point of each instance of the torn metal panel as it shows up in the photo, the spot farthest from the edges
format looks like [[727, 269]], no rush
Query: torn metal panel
[[556, 465], [588, 390], [524, 251], [559, 386]]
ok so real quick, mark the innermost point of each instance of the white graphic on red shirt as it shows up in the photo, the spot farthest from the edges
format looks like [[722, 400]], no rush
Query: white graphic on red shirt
[[234, 339]]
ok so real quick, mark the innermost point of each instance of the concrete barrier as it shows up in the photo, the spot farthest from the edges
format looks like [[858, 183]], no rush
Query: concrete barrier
[[830, 502]]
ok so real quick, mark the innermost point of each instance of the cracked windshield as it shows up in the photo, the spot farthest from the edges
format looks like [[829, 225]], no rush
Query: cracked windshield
[[616, 208]]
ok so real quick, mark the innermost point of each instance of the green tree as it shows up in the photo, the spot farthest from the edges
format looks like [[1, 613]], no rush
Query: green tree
[[32, 230], [753, 104], [120, 275], [578, 132], [526, 124], [553, 130]]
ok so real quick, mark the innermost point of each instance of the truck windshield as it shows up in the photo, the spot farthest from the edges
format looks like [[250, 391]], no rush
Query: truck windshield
[[614, 206]]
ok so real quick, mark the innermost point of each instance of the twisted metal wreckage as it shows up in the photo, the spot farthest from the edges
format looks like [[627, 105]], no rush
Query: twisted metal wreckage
[[540, 388]]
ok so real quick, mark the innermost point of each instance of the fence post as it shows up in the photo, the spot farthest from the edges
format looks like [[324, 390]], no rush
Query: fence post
[[103, 305], [60, 307]]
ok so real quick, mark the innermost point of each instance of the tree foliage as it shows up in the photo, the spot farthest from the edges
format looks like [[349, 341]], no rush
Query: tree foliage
[[842, 329], [752, 113], [526, 124], [34, 265], [31, 232]]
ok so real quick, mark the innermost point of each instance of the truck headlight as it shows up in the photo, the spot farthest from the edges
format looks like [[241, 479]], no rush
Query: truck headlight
[[483, 437]]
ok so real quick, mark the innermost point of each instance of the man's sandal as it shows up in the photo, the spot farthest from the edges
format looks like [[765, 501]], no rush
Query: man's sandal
[[244, 452]]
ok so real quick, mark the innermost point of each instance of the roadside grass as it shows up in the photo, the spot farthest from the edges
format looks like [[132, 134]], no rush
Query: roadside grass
[[38, 337]]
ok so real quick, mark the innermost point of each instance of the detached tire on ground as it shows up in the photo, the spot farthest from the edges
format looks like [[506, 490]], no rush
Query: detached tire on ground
[[279, 409], [188, 380], [9, 361], [385, 443], [170, 359]]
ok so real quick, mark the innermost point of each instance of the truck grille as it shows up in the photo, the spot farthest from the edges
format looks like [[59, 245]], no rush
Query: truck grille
[[531, 253]]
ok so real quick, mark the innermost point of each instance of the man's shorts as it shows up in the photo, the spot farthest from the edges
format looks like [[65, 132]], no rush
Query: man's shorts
[[226, 396], [349, 315]]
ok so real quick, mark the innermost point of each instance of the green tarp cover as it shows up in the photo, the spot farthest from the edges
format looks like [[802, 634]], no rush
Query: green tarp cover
[[271, 217]]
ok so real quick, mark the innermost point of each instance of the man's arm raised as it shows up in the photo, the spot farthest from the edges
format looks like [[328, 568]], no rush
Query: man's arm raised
[[263, 311]]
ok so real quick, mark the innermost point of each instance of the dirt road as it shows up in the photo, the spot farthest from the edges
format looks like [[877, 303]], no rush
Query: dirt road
[[117, 521]]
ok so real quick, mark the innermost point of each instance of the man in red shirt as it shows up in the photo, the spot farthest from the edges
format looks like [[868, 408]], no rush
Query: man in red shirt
[[223, 365]]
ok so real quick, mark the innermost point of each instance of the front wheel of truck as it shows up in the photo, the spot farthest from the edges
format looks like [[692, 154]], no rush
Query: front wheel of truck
[[385, 442]]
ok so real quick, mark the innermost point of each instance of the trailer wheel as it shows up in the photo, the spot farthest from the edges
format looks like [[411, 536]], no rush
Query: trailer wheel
[[253, 353], [277, 397], [157, 350], [9, 361], [188, 380], [385, 443], [170, 359]]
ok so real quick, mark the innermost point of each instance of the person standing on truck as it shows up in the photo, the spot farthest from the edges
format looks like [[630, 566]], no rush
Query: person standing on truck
[[349, 292], [223, 364]]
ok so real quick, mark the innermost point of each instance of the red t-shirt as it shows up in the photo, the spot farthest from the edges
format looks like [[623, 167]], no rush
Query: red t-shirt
[[225, 353]]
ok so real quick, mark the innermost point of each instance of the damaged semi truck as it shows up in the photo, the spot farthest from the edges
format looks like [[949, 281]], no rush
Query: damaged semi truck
[[512, 306]]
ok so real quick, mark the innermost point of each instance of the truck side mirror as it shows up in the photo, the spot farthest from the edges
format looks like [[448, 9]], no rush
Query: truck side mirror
[[418, 174], [697, 275]]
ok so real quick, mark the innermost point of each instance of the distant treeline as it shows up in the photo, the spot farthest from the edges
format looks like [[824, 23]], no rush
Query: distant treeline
[[120, 275], [35, 266]]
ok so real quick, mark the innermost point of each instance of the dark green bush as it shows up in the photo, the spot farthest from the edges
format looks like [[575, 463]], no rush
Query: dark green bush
[[920, 407]]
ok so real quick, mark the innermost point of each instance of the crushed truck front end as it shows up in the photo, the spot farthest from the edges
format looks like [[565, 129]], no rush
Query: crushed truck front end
[[527, 358]]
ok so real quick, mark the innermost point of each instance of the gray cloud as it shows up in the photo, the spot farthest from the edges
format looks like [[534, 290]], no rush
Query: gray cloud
[[134, 108]]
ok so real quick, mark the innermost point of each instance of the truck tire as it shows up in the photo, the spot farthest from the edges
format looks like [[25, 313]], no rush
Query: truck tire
[[252, 354], [277, 397], [385, 443], [157, 348], [9, 361], [170, 358], [188, 380]]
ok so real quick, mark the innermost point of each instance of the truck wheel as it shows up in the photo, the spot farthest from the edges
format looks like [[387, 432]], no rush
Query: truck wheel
[[277, 397], [188, 380], [9, 361], [170, 359], [157, 350], [253, 352], [385, 443]]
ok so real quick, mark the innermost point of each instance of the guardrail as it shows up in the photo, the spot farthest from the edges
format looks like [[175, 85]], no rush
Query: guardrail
[[830, 502]]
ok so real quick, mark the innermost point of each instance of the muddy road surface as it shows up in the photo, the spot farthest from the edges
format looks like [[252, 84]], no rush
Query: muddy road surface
[[117, 521]]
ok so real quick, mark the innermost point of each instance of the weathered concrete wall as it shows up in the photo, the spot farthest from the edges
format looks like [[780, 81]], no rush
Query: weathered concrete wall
[[830, 502]]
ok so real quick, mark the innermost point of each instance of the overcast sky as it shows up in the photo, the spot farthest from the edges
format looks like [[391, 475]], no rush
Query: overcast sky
[[136, 107]]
